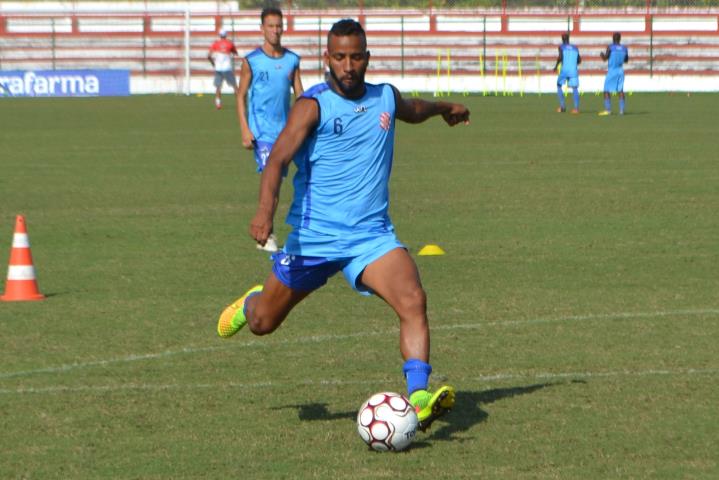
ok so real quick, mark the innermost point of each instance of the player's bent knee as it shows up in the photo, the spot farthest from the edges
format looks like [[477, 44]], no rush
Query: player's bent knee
[[412, 301]]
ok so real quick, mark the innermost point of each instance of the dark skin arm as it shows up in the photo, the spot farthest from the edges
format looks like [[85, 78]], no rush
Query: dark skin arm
[[302, 120], [560, 57], [416, 110], [605, 54]]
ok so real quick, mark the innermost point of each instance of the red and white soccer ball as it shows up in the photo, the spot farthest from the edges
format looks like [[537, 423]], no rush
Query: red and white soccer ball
[[387, 421]]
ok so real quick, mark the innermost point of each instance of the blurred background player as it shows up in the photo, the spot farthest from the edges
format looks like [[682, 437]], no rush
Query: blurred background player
[[341, 133], [222, 57], [267, 75], [616, 56], [569, 58]]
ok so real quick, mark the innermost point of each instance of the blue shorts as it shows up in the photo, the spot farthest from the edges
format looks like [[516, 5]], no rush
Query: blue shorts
[[262, 153], [614, 82], [572, 80], [306, 273]]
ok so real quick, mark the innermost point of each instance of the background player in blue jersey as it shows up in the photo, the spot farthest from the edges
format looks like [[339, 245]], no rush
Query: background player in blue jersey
[[340, 135], [267, 75], [616, 56], [569, 58]]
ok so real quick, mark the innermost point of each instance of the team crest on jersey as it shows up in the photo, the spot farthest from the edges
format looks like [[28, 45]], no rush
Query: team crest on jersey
[[360, 109], [384, 119]]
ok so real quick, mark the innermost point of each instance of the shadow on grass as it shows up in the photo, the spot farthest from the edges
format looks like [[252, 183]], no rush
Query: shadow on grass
[[318, 411], [467, 411]]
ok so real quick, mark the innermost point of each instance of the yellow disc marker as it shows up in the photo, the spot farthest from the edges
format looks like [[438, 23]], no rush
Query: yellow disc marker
[[431, 250]]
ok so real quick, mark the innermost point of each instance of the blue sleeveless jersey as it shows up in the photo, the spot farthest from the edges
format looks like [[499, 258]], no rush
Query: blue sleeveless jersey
[[617, 55], [343, 169], [570, 55], [269, 93]]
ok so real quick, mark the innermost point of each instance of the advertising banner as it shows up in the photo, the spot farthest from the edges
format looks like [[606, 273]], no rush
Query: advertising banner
[[64, 83]]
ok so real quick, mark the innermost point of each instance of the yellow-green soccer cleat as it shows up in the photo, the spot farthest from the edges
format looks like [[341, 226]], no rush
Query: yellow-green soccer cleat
[[604, 113], [432, 405], [233, 317]]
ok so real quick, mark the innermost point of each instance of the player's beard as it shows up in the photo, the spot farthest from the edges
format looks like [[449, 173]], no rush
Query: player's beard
[[354, 91]]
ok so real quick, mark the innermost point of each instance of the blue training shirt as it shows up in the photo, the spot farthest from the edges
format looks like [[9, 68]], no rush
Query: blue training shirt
[[570, 57], [617, 55], [269, 93], [341, 186]]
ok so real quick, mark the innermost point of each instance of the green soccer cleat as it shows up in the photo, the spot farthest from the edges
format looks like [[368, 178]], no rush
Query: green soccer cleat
[[604, 113], [430, 406], [233, 317]]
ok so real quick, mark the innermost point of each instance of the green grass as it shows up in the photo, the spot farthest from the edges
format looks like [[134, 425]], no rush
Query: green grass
[[576, 310]]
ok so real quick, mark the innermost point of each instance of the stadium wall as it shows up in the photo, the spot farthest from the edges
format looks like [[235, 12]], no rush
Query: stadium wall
[[442, 51]]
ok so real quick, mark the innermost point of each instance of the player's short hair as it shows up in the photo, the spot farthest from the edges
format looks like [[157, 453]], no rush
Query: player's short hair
[[616, 37], [565, 38], [345, 28], [267, 11]]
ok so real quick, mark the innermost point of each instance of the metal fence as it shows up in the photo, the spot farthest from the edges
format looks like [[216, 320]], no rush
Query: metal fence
[[560, 6]]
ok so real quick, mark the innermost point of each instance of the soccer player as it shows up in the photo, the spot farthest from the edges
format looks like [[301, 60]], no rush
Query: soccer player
[[267, 76], [569, 58], [222, 57], [616, 56], [340, 135]]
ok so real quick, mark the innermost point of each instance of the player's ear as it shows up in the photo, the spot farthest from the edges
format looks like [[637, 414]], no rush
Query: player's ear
[[367, 55]]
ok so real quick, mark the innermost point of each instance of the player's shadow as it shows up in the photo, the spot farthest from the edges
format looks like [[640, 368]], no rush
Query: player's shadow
[[468, 412], [318, 411]]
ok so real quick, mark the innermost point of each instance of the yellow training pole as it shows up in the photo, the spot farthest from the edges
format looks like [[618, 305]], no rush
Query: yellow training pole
[[481, 73], [504, 74], [449, 73], [496, 74], [519, 69], [438, 92]]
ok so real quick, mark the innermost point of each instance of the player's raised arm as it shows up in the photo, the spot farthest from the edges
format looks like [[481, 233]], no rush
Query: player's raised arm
[[302, 120], [416, 110]]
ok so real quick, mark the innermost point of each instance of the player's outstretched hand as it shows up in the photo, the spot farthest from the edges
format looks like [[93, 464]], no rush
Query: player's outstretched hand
[[457, 114], [261, 227]]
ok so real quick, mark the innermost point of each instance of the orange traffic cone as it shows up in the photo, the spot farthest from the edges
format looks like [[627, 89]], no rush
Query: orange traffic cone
[[21, 284]]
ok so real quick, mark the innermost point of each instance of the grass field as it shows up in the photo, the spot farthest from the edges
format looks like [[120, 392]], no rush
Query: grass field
[[576, 310]]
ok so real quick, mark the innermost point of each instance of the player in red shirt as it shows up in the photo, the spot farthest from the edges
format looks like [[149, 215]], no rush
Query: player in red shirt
[[222, 57]]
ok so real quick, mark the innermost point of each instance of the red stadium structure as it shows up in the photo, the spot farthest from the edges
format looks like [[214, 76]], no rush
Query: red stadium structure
[[431, 49]]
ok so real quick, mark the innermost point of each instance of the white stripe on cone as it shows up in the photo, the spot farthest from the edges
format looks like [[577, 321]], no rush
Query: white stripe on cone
[[21, 272], [20, 240]]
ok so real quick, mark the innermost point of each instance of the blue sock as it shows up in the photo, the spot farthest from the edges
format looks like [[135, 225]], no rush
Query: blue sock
[[621, 104], [607, 103], [560, 95], [575, 91], [417, 374]]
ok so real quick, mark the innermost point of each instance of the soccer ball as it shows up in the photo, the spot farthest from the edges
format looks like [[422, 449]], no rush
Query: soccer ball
[[387, 421]]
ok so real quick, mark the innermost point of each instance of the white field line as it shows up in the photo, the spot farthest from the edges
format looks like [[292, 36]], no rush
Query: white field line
[[524, 376], [333, 338]]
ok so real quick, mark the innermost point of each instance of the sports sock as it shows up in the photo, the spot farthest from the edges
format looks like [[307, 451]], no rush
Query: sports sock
[[560, 95], [607, 104], [417, 374], [621, 104], [575, 92]]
